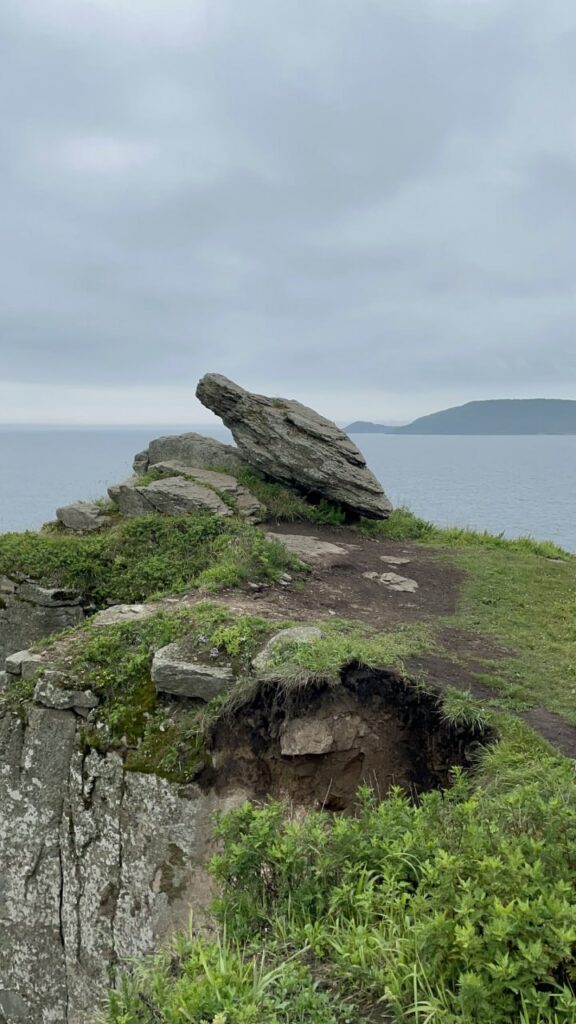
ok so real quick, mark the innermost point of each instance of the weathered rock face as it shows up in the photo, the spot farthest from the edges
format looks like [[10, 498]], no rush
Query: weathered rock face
[[82, 517], [177, 670], [29, 612], [97, 865], [293, 444], [173, 496], [192, 450]]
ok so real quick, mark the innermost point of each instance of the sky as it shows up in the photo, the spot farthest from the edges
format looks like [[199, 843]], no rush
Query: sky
[[368, 205]]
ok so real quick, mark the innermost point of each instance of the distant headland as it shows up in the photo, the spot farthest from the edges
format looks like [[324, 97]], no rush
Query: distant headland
[[497, 416]]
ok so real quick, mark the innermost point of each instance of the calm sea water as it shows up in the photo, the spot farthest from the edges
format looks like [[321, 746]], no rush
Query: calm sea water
[[510, 485]]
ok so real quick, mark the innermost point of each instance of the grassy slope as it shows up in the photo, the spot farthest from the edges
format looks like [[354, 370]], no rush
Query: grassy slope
[[460, 909]]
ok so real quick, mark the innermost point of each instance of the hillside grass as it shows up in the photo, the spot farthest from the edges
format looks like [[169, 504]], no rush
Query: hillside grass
[[138, 558]]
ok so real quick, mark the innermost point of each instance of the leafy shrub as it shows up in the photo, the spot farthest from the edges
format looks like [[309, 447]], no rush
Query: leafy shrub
[[460, 908], [147, 555]]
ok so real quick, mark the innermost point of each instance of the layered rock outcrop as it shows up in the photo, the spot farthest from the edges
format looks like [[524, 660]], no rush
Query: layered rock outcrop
[[98, 865], [295, 445]]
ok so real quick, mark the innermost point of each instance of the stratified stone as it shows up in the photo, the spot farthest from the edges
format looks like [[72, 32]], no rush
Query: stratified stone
[[173, 496], [176, 670], [82, 517], [192, 450], [29, 612], [246, 504], [296, 634], [293, 444]]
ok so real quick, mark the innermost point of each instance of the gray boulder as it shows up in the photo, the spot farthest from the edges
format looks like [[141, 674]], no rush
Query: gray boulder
[[23, 663], [176, 669], [294, 445], [82, 517], [246, 504], [192, 450], [174, 496]]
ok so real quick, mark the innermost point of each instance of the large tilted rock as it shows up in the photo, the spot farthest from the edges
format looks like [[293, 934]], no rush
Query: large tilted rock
[[293, 444], [192, 450]]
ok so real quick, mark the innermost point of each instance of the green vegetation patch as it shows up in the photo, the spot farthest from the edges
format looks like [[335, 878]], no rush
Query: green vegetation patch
[[149, 555], [158, 735], [458, 908], [284, 504], [528, 603], [342, 642]]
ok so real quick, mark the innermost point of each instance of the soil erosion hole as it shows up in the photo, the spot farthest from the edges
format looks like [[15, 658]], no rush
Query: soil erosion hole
[[315, 745]]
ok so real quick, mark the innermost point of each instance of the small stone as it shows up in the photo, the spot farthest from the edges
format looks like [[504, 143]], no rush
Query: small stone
[[176, 669], [394, 560], [392, 581], [50, 695], [296, 634]]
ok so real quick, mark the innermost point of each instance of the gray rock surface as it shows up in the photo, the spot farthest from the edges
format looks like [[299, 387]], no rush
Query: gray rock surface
[[295, 445], [82, 517], [23, 663], [3, 680], [97, 867], [29, 612], [295, 634], [50, 694], [176, 669], [247, 505], [192, 450], [322, 735], [393, 581], [309, 549], [173, 496]]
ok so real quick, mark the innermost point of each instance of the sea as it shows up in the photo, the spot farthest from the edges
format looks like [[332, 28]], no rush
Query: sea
[[514, 486]]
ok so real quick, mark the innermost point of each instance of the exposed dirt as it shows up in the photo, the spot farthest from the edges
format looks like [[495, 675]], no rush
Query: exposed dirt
[[337, 585], [314, 746]]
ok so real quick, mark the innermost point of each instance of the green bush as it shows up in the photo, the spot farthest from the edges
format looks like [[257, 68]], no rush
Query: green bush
[[147, 555], [459, 908]]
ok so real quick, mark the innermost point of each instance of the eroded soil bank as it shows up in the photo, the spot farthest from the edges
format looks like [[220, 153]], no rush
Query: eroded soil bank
[[315, 745]]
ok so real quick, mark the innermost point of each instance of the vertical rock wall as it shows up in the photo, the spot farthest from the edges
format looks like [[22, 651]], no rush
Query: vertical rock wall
[[29, 612], [96, 866]]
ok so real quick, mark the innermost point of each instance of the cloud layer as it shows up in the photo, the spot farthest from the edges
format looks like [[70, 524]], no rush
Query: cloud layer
[[365, 204]]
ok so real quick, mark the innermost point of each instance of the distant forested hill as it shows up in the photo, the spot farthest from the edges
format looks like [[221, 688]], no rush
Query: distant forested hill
[[499, 416]]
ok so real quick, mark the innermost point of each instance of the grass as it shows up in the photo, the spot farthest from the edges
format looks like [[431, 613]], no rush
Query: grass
[[160, 736], [146, 556], [456, 909], [285, 505]]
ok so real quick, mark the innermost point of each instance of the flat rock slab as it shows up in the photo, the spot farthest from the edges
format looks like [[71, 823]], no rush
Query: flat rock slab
[[393, 581], [175, 670], [82, 517], [51, 695], [293, 444], [123, 613], [309, 549], [395, 560], [296, 634], [173, 496], [246, 504]]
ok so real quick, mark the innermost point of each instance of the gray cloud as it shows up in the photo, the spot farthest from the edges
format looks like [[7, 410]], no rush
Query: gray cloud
[[367, 204]]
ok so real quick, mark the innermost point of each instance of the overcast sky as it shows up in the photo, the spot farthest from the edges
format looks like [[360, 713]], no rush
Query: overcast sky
[[369, 205]]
